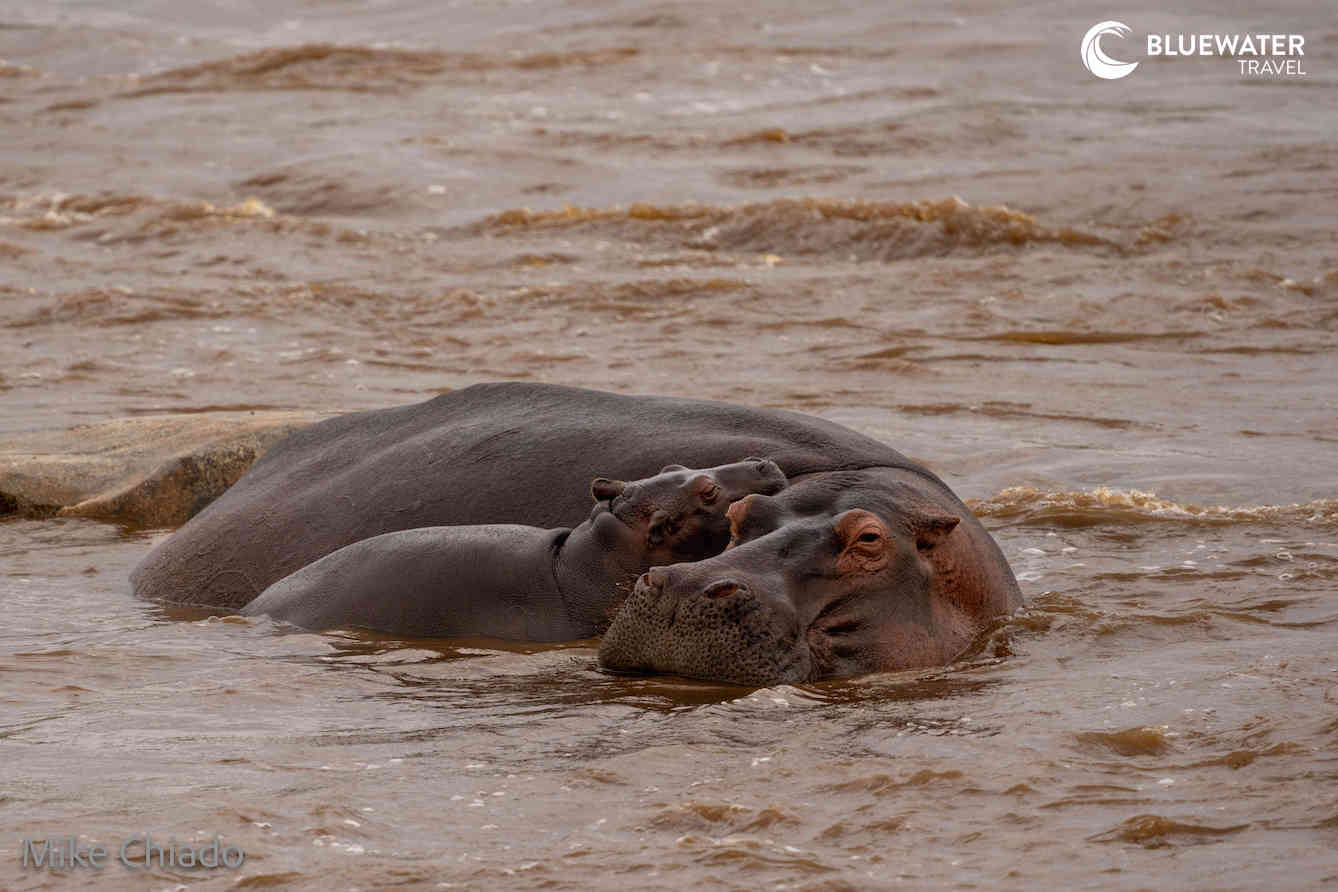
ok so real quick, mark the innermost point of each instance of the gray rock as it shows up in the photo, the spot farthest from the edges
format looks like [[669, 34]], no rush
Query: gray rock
[[153, 471]]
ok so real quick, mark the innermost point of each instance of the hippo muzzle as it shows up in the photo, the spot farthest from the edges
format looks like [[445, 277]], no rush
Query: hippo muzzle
[[709, 621]]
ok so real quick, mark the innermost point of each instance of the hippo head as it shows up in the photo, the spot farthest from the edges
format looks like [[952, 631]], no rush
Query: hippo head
[[680, 513], [797, 598]]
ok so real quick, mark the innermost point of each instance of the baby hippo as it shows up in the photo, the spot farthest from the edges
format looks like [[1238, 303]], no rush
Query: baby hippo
[[519, 582]]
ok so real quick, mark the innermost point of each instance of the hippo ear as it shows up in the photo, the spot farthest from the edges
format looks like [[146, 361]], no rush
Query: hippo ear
[[932, 526], [667, 468], [752, 516], [603, 489], [659, 527]]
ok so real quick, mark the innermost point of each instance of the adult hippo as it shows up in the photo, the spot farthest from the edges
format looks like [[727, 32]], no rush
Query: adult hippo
[[520, 582], [844, 573], [491, 453]]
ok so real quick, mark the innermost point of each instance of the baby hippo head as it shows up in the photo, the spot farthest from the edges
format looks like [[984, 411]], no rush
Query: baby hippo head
[[680, 513]]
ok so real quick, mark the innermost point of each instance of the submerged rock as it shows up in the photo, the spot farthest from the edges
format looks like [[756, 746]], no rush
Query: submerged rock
[[153, 471]]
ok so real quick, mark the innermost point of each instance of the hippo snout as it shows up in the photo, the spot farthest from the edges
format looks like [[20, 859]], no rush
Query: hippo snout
[[772, 478], [708, 620], [752, 475]]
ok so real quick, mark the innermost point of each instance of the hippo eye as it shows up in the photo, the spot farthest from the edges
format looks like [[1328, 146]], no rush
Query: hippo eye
[[843, 627], [709, 496], [868, 541]]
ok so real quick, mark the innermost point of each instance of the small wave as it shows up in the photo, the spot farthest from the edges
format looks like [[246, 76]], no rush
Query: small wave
[[42, 213], [789, 177], [9, 69], [860, 230], [1068, 337], [336, 192], [116, 306], [641, 299], [117, 218], [1155, 831], [73, 105], [1145, 741], [1000, 408], [712, 817], [268, 880], [1026, 504], [884, 784], [749, 855], [324, 66]]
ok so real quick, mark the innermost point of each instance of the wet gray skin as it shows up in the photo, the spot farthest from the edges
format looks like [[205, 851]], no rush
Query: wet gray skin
[[799, 598], [519, 582], [508, 453]]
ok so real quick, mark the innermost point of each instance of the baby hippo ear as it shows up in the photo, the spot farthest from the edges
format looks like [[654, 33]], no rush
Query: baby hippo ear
[[931, 526], [667, 468], [603, 489], [658, 529]]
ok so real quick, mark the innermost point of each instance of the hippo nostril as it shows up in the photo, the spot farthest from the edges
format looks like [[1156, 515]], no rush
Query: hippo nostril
[[723, 589]]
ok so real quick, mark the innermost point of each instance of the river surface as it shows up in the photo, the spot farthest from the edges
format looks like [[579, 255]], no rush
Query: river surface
[[1106, 312]]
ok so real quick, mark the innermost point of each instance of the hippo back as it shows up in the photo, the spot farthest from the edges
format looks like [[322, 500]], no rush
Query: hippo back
[[491, 453]]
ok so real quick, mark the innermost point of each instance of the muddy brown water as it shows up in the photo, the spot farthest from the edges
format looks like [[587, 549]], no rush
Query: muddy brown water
[[1105, 312]]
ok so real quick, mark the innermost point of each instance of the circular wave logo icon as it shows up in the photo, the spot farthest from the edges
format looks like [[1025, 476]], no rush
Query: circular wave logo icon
[[1095, 60]]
